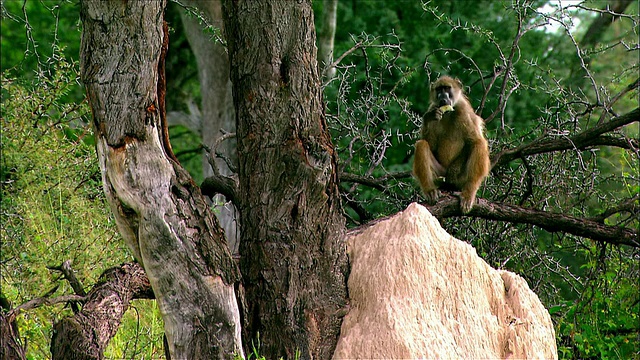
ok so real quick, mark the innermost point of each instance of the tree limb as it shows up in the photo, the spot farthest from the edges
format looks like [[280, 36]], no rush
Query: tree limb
[[552, 222], [630, 205], [611, 12], [86, 334], [376, 183], [11, 347], [633, 85], [70, 275], [218, 183], [37, 302], [590, 137]]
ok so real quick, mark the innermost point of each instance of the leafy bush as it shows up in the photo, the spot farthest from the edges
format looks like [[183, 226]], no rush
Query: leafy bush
[[52, 207]]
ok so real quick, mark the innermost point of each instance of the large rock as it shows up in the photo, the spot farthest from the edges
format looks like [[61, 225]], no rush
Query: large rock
[[417, 292]]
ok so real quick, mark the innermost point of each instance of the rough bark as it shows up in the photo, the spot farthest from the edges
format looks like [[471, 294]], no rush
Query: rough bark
[[293, 258], [217, 102], [87, 334], [159, 211]]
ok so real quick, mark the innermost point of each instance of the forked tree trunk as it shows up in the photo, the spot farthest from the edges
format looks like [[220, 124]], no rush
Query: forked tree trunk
[[159, 210], [293, 258]]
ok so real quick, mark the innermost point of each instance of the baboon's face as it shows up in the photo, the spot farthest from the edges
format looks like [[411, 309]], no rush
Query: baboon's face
[[446, 91]]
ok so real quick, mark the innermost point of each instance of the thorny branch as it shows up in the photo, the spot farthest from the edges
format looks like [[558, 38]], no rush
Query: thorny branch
[[588, 138]]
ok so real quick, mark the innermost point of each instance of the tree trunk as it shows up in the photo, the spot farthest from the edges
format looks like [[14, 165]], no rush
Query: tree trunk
[[326, 38], [293, 258], [159, 211], [11, 347], [217, 103]]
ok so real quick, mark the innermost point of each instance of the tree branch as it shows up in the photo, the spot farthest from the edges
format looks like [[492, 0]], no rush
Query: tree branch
[[629, 205], [11, 346], [585, 139], [37, 302], [68, 273], [376, 183], [449, 206], [611, 12], [633, 85], [86, 334], [218, 183]]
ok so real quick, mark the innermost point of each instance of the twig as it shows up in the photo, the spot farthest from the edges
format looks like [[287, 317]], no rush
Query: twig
[[34, 303]]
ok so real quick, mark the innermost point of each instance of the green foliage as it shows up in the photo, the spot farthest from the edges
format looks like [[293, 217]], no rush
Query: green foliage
[[53, 208], [33, 32], [140, 335], [603, 322]]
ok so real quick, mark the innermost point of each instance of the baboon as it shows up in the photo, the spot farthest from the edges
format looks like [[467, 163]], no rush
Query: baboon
[[452, 146]]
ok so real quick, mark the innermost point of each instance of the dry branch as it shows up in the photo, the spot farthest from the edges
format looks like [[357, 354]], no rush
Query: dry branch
[[70, 275], [552, 222], [583, 140], [380, 183]]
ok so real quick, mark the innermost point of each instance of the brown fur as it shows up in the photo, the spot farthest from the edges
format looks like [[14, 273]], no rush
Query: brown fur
[[452, 145]]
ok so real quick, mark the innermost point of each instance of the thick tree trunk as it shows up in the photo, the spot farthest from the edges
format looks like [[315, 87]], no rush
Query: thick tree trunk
[[217, 103], [293, 258], [159, 210]]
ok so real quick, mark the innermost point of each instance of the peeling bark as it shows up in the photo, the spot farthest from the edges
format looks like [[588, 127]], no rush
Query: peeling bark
[[159, 210]]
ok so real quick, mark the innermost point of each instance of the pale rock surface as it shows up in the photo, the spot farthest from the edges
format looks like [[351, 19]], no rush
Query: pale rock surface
[[417, 292]]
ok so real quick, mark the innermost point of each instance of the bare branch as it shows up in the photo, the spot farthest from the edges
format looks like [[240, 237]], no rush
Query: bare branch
[[337, 61], [376, 183], [618, 96], [218, 183], [552, 222], [585, 139], [37, 302], [629, 206], [611, 12], [68, 273]]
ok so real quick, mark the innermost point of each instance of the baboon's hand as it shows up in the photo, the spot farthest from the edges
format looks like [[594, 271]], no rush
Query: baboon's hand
[[432, 196], [438, 114]]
